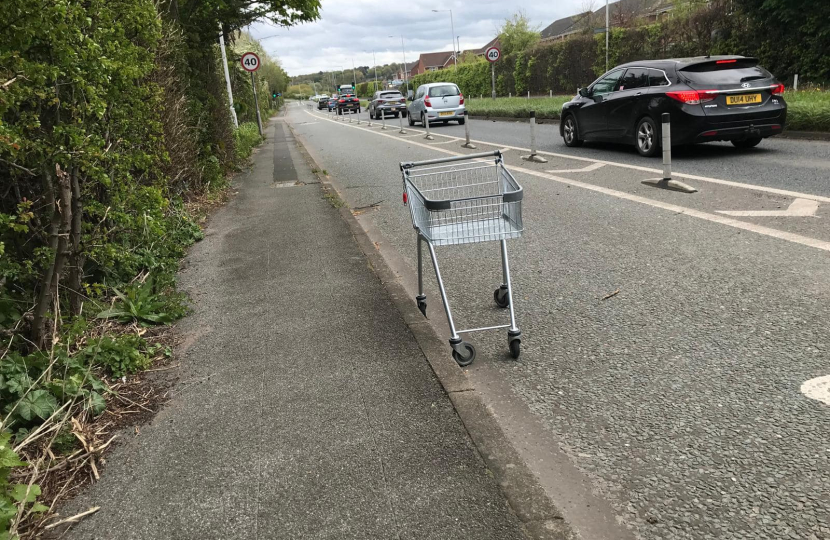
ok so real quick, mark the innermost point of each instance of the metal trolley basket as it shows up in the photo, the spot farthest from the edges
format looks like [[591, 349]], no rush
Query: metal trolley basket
[[465, 200]]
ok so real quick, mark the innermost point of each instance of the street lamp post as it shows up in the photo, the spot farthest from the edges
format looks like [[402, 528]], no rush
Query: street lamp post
[[405, 77], [606, 35], [452, 27], [354, 77]]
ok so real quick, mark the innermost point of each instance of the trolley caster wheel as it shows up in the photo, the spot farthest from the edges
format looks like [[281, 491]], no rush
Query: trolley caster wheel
[[467, 358], [422, 305], [515, 348], [502, 297]]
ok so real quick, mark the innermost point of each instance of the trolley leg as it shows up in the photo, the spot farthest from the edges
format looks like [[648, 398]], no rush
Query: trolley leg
[[502, 295], [421, 299], [514, 335], [453, 335]]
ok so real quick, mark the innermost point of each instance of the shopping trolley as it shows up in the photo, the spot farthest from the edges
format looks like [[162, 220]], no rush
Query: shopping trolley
[[465, 200]]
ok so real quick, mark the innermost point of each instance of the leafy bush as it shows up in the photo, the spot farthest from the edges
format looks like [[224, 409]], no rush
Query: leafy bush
[[146, 303], [13, 494], [246, 138], [517, 107], [122, 355]]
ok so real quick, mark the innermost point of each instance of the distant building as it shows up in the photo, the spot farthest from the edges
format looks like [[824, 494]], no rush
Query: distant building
[[401, 75], [623, 13], [432, 62]]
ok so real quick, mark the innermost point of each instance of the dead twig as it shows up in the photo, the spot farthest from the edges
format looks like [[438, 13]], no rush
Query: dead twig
[[73, 519], [611, 295]]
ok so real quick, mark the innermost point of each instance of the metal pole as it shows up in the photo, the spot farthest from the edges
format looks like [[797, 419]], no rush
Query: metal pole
[[606, 35], [666, 146], [227, 75], [467, 144], [493, 77], [376, 69], [400, 117], [256, 104], [454, 52], [354, 77], [443, 291], [383, 119]]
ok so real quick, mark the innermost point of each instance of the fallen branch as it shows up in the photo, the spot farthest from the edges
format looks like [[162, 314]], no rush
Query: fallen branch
[[74, 518], [611, 295]]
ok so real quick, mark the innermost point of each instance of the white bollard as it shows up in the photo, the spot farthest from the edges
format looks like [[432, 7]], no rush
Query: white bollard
[[467, 144], [400, 117], [383, 119], [551, 93], [510, 94], [528, 94], [426, 126], [534, 157], [666, 182]]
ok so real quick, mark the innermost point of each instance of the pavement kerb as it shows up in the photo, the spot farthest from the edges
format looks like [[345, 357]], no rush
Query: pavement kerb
[[541, 518]]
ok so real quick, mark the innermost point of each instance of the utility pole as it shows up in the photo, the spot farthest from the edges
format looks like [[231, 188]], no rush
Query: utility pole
[[227, 75], [376, 69], [354, 77], [607, 29], [405, 77], [452, 40]]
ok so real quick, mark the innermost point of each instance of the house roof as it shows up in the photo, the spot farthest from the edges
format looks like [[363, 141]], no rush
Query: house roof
[[621, 8], [563, 26], [435, 59]]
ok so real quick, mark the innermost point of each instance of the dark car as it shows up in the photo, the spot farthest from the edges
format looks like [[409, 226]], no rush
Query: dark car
[[387, 102], [348, 102], [717, 98], [322, 103]]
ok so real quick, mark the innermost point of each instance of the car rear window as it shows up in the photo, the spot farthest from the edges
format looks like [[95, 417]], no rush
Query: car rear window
[[444, 90], [712, 73], [391, 95]]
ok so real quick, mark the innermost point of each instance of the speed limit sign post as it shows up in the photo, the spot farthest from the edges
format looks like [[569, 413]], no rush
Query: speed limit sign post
[[492, 54], [250, 63]]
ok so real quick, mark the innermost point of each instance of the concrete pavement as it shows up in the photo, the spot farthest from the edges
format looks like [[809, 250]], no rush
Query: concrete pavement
[[678, 399], [305, 407]]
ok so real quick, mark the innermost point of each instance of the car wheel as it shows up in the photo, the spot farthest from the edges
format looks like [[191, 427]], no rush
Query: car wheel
[[462, 121], [409, 120], [647, 141], [569, 132], [397, 115], [424, 119], [747, 143]]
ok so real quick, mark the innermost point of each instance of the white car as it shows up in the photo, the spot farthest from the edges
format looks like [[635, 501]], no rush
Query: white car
[[437, 102]]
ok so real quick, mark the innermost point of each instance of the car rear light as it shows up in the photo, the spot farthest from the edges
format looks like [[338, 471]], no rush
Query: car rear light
[[778, 90], [461, 100], [776, 126], [403, 100], [726, 61], [689, 97], [708, 133], [342, 101], [707, 95], [427, 102]]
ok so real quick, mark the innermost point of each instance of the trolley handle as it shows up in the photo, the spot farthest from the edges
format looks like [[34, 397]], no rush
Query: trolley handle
[[410, 164]]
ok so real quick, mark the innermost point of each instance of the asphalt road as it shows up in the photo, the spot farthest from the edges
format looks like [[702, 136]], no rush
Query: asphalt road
[[678, 397]]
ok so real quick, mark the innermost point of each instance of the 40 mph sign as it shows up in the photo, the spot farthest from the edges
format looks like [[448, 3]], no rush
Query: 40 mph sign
[[492, 54], [250, 62]]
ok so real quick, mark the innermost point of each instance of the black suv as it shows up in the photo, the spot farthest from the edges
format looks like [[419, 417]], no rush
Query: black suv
[[712, 98], [348, 102]]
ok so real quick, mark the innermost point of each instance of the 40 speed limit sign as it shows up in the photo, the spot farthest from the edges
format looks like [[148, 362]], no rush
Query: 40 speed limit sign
[[250, 62], [492, 54]]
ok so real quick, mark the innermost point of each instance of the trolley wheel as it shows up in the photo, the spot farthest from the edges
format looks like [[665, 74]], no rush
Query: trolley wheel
[[515, 348], [465, 359], [422, 305], [502, 298]]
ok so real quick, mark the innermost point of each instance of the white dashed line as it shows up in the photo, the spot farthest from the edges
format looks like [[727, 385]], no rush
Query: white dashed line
[[818, 389], [589, 168]]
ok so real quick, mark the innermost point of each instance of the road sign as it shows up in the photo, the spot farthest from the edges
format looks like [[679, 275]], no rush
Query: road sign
[[492, 54], [250, 62]]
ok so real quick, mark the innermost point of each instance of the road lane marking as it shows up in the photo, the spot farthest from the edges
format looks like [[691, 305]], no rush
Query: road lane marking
[[798, 208], [706, 216], [589, 168], [818, 389]]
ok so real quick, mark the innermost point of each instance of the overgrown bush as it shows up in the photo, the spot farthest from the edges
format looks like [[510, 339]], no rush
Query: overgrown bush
[[245, 139]]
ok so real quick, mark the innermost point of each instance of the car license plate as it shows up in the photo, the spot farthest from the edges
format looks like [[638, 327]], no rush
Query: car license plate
[[446, 113], [743, 99]]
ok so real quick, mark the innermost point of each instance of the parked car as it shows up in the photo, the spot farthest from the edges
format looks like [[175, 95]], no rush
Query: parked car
[[436, 102], [387, 102], [348, 102], [717, 98]]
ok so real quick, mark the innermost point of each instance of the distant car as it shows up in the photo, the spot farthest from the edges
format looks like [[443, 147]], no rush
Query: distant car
[[717, 98], [387, 102], [332, 103], [348, 102], [437, 102], [323, 102]]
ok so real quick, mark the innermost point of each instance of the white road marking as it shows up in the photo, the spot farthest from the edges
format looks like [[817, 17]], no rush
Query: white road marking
[[443, 142], [589, 168], [818, 389], [714, 218], [798, 208]]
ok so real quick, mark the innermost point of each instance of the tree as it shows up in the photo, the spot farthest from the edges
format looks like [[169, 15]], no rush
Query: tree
[[516, 34]]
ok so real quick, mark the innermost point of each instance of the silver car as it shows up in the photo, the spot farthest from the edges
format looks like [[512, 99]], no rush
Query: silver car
[[387, 102], [437, 102]]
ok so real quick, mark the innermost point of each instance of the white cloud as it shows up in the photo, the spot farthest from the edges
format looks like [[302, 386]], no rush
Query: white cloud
[[349, 30]]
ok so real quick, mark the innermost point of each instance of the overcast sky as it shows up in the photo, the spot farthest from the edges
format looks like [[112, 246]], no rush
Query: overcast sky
[[351, 29]]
